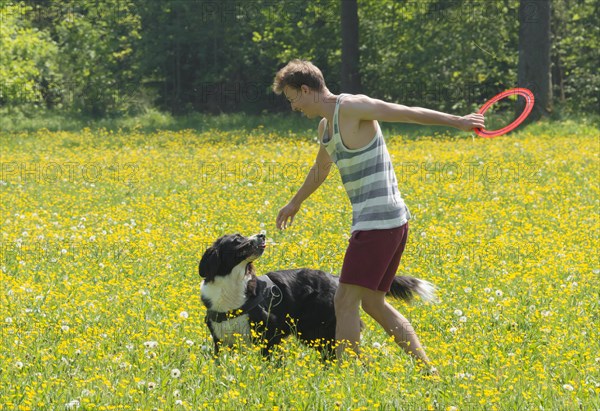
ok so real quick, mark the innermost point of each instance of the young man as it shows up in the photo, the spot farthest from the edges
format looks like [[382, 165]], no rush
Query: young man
[[349, 135]]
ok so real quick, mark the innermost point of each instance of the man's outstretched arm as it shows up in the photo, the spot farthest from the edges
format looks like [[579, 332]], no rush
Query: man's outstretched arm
[[367, 108]]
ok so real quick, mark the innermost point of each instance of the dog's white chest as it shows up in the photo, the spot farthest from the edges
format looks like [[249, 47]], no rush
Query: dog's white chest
[[231, 331]]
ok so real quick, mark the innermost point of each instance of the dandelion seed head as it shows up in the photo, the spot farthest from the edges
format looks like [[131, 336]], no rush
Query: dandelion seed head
[[72, 405], [151, 344]]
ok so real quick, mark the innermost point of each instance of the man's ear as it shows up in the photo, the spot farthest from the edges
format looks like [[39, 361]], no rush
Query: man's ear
[[209, 264]]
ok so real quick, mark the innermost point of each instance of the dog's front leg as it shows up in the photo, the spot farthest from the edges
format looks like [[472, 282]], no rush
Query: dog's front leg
[[272, 355], [216, 340], [271, 339], [266, 352], [266, 338], [217, 344]]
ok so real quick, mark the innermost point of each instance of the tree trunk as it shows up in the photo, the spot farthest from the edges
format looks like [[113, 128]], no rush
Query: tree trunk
[[350, 56], [534, 70]]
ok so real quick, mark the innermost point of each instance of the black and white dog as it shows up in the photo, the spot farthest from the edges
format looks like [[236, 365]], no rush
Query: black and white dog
[[268, 308]]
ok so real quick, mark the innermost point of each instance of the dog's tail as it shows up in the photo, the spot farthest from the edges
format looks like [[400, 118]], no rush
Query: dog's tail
[[405, 288]]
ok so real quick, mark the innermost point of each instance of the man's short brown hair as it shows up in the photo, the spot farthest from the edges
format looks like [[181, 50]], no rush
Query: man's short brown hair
[[296, 73]]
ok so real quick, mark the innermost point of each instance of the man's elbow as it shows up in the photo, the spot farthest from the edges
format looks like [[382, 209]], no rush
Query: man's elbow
[[321, 171]]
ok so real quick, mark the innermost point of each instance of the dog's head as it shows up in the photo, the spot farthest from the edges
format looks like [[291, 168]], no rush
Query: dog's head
[[228, 252]]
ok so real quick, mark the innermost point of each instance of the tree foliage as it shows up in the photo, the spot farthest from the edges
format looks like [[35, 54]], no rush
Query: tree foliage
[[28, 59], [122, 56], [575, 54]]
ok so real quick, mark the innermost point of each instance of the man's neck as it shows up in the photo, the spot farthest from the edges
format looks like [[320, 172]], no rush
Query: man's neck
[[326, 105]]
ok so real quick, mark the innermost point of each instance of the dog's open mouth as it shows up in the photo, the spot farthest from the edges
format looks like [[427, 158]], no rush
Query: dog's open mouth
[[259, 244], [259, 241]]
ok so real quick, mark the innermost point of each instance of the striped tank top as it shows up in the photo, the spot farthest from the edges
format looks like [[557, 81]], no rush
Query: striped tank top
[[369, 179]]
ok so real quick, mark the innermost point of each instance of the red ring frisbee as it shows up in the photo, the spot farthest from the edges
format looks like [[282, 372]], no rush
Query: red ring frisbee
[[529, 101]]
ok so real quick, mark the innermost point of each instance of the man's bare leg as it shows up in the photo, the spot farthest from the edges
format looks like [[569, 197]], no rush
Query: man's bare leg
[[347, 311], [395, 324], [347, 302]]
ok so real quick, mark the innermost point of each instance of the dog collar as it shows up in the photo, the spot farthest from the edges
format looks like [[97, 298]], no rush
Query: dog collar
[[266, 290]]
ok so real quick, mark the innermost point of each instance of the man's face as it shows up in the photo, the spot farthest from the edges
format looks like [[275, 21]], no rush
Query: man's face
[[301, 99]]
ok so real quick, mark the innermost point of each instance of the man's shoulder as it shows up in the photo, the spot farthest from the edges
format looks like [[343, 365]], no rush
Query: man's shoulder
[[352, 106], [354, 98], [355, 102]]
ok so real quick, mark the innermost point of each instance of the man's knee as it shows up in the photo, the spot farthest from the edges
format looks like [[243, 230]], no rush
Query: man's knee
[[373, 305], [347, 299]]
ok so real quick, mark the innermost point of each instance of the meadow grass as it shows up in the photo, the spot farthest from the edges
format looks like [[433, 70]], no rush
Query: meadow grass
[[102, 231]]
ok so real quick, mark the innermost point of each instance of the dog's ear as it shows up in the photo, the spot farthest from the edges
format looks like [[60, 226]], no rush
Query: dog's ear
[[209, 264]]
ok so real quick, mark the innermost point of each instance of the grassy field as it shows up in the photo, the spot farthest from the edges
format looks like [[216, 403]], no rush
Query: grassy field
[[102, 232]]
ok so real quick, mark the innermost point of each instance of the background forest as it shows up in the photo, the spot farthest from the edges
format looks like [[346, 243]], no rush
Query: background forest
[[125, 57]]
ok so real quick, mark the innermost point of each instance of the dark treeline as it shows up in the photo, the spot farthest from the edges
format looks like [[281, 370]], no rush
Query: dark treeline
[[112, 57]]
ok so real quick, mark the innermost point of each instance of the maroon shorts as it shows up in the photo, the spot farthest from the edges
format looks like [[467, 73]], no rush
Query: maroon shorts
[[373, 256]]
